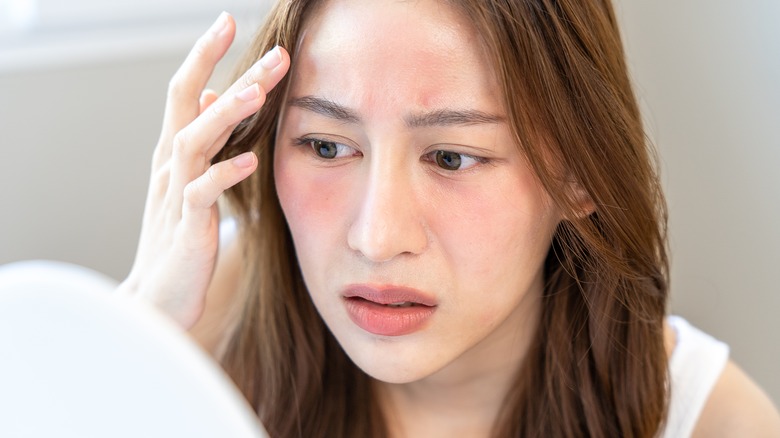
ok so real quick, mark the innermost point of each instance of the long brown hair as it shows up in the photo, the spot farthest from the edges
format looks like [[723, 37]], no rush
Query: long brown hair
[[597, 366]]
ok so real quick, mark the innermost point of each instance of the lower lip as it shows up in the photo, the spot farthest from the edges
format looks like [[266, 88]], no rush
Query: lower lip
[[385, 320]]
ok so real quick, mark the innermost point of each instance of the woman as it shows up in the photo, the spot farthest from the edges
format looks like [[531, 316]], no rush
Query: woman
[[449, 225]]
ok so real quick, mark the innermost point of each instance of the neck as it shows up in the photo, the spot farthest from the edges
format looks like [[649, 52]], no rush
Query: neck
[[465, 397]]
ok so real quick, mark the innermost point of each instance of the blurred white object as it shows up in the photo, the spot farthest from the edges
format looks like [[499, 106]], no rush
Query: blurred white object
[[17, 15], [48, 274], [79, 361]]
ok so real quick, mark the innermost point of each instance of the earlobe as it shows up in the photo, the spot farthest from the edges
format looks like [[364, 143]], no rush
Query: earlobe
[[583, 203]]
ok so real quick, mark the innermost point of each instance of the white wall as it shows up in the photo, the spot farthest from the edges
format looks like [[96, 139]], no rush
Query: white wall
[[76, 138]]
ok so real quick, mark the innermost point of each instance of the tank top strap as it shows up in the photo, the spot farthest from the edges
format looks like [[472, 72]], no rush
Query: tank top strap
[[695, 365]]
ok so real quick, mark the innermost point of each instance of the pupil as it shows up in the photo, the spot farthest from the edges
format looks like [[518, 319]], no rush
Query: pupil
[[325, 149], [448, 160]]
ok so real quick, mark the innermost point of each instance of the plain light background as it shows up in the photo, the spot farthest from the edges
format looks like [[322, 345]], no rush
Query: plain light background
[[79, 117]]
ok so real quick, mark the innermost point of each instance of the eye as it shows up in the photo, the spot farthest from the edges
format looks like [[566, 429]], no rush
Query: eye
[[327, 150], [452, 161]]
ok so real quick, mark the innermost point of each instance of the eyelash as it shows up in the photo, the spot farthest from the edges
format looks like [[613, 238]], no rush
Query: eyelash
[[308, 141], [432, 157]]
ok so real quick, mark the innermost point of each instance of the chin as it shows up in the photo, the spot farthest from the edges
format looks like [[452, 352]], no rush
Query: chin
[[393, 375], [390, 365]]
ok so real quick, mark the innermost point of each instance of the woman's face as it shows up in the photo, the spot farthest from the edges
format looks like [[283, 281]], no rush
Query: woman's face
[[419, 228]]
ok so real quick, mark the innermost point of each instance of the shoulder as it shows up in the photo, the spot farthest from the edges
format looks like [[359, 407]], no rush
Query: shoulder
[[711, 396], [737, 407], [214, 326]]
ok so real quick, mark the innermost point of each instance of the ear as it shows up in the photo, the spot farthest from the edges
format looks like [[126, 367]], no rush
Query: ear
[[583, 203]]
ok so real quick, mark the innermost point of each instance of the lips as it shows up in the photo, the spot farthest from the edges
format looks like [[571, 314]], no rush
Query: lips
[[388, 311]]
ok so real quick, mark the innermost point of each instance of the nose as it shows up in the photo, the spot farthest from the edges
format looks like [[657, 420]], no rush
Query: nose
[[388, 221]]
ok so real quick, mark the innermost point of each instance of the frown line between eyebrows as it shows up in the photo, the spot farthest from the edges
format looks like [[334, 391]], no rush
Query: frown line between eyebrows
[[441, 117]]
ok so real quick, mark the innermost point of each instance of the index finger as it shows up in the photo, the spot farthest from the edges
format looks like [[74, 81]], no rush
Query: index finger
[[187, 84]]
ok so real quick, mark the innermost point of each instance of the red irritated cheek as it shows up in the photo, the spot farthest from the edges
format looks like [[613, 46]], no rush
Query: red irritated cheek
[[311, 196]]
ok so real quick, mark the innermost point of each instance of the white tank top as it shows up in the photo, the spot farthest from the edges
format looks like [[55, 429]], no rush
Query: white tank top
[[696, 364]]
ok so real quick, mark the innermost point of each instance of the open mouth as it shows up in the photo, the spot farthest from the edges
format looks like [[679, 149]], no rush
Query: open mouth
[[389, 296], [389, 312], [398, 304], [403, 304]]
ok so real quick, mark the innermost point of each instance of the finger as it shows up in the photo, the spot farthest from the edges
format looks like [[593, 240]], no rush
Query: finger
[[197, 144], [189, 159], [212, 126], [190, 79], [202, 193], [267, 72], [221, 141], [206, 99]]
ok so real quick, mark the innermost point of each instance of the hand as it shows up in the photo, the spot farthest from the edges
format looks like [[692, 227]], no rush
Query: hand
[[177, 250]]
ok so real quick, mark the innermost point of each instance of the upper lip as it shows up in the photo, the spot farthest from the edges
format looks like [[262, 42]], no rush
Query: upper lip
[[388, 294]]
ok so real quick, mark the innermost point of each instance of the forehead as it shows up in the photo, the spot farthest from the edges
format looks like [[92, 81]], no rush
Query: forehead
[[380, 56]]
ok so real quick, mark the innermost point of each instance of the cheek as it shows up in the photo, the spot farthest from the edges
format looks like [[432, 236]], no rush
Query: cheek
[[491, 220], [312, 202], [496, 235]]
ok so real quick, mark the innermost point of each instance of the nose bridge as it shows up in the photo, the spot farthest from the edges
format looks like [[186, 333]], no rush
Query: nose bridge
[[388, 221]]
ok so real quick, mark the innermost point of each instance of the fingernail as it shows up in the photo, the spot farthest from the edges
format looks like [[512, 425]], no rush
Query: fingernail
[[244, 160], [220, 24], [271, 59], [249, 93]]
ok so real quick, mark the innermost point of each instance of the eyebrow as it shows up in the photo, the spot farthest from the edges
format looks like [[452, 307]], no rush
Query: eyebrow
[[451, 118], [325, 107], [441, 117]]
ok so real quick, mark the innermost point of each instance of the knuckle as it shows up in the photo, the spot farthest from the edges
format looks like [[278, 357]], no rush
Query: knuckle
[[249, 78], [184, 147], [159, 158], [192, 194], [218, 110], [180, 141], [201, 48], [201, 192], [213, 175], [161, 178], [175, 85], [179, 86], [162, 152]]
